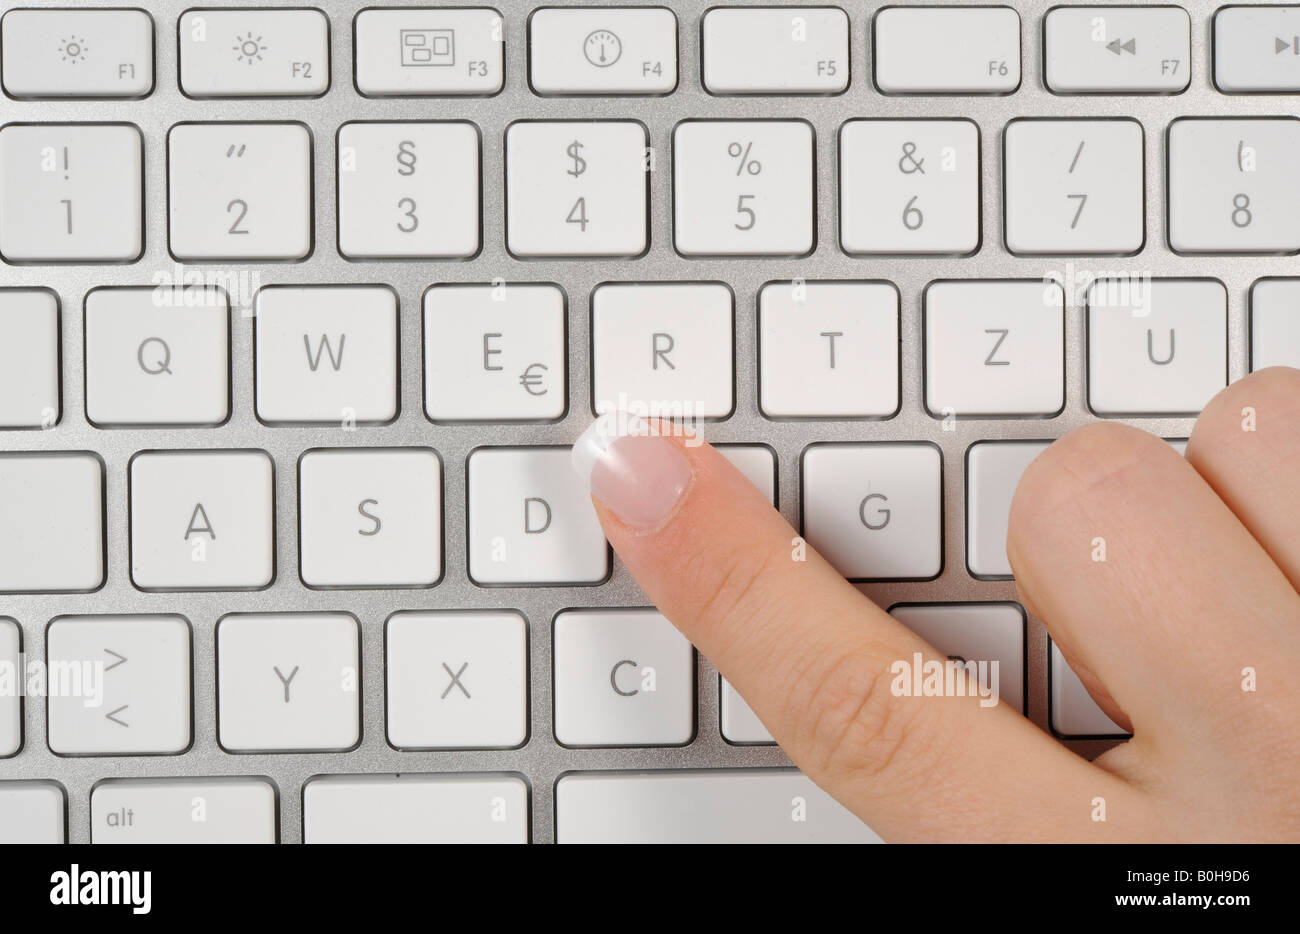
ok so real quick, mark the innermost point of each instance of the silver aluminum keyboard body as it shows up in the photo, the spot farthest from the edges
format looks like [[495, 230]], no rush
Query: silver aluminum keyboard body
[[541, 759]]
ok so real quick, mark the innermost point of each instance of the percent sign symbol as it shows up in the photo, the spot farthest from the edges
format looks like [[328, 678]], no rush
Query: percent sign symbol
[[743, 162]]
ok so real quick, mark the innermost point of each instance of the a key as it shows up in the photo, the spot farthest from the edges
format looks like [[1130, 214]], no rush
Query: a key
[[989, 638], [494, 352], [183, 810], [622, 678], [29, 358], [828, 349], [1156, 347], [31, 812], [202, 520], [775, 50], [254, 53], [51, 522], [71, 192], [947, 50], [743, 188], [910, 186], [1232, 185], [326, 354], [623, 51], [875, 511], [77, 53], [157, 356], [288, 682], [239, 191], [738, 722], [1117, 50], [576, 188], [1074, 186], [408, 190], [1074, 712], [666, 347], [1275, 323], [11, 708], [370, 517], [530, 520], [124, 688], [457, 680], [414, 808], [429, 52], [993, 469], [994, 348], [1257, 49], [701, 806]]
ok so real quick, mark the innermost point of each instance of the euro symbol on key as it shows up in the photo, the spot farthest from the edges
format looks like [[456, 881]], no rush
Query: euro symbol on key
[[160, 360], [908, 163], [531, 378]]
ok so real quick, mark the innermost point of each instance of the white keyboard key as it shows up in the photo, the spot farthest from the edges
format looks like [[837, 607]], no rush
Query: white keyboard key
[[910, 186], [743, 188], [828, 349], [1165, 356], [664, 346], [1232, 185], [416, 808], [134, 692], [1117, 50], [202, 520], [947, 50], [602, 50], [11, 704], [1074, 186], [239, 191], [183, 810], [994, 348], [978, 634], [326, 354], [157, 356], [756, 462], [370, 517], [1074, 712], [622, 678], [51, 522], [77, 53], [32, 812], [776, 50], [1275, 323], [576, 188], [408, 190], [457, 680], [494, 352], [530, 520], [1257, 48], [420, 51], [993, 469], [71, 192], [288, 682], [875, 511], [698, 806], [254, 53], [29, 358], [740, 725]]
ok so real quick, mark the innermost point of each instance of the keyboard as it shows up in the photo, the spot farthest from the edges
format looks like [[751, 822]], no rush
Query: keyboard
[[301, 308]]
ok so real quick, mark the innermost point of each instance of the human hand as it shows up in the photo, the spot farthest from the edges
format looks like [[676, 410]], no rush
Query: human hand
[[1200, 583]]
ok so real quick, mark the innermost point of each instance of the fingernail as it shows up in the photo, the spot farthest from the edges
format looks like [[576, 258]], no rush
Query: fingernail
[[637, 475]]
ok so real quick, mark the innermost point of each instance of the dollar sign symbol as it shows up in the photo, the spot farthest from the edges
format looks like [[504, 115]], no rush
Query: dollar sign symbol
[[406, 157], [579, 163]]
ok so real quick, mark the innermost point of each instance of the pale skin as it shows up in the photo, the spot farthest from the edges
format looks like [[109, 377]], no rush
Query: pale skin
[[1200, 583]]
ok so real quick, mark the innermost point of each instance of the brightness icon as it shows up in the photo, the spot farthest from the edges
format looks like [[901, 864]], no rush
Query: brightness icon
[[248, 48], [73, 49]]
